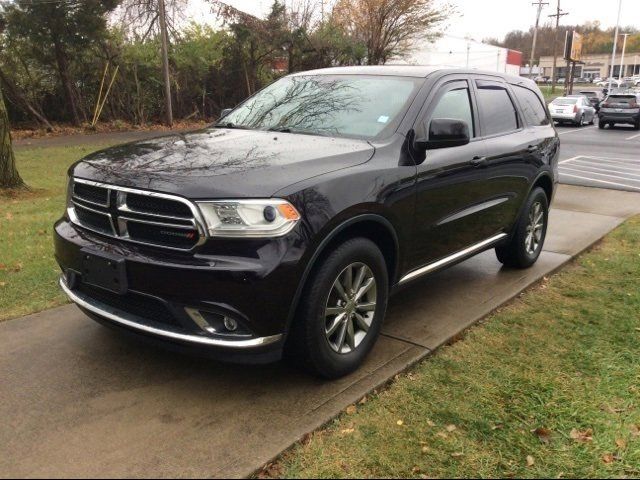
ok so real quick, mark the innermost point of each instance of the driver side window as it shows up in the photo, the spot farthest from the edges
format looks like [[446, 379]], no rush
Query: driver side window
[[456, 105]]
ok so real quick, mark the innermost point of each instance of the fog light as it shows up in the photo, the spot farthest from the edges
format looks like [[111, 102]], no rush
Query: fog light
[[230, 324]]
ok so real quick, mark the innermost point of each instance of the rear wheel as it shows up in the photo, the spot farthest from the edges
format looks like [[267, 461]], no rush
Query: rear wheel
[[581, 121], [525, 245], [601, 125], [341, 311]]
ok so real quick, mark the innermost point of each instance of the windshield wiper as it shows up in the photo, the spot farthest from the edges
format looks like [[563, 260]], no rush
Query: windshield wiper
[[281, 129], [230, 125]]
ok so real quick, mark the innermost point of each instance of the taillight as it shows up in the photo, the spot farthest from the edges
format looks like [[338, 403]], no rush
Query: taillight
[[575, 109]]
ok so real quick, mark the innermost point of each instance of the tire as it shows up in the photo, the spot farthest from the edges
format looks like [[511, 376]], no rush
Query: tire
[[601, 125], [581, 121], [519, 253], [310, 344], [636, 126]]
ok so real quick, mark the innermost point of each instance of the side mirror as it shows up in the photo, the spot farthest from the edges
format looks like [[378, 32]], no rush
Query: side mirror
[[445, 133], [225, 112]]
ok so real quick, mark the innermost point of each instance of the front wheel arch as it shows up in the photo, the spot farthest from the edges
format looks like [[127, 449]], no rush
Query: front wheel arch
[[371, 226]]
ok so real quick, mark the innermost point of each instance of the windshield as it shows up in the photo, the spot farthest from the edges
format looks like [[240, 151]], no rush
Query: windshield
[[332, 105], [565, 101]]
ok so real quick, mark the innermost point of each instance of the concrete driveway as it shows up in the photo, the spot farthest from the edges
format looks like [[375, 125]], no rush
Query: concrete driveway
[[77, 400]]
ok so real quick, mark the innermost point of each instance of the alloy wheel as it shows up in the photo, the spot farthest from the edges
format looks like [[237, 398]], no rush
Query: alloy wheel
[[350, 308], [535, 229]]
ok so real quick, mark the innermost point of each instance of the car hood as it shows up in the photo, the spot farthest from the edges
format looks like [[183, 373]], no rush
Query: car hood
[[222, 163]]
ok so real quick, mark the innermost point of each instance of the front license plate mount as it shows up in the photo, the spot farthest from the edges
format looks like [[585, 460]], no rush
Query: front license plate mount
[[104, 270]]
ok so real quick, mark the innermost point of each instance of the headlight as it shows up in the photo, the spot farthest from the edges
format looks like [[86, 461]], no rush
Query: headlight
[[249, 218]]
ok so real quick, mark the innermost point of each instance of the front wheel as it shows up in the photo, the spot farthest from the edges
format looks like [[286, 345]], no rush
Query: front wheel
[[526, 243], [341, 311]]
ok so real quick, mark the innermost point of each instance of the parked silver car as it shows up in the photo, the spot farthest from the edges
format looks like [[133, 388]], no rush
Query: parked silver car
[[577, 110]]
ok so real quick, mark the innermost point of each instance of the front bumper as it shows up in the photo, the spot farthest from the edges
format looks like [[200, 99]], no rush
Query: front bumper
[[255, 285]]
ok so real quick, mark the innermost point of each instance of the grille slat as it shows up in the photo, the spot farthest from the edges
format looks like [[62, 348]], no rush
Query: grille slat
[[96, 221], [91, 194], [157, 206], [141, 217]]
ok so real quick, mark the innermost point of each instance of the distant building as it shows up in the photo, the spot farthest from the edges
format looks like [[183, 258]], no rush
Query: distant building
[[595, 65], [458, 52]]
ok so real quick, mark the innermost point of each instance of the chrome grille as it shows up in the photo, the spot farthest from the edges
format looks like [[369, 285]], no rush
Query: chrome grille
[[134, 215]]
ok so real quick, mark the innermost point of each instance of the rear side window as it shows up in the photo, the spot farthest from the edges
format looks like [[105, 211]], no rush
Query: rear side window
[[497, 112], [532, 107]]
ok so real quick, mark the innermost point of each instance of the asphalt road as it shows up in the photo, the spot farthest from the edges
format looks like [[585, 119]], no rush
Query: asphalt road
[[608, 158]]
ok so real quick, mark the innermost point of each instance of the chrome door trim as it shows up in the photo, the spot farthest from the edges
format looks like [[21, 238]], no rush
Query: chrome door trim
[[129, 321], [452, 258]]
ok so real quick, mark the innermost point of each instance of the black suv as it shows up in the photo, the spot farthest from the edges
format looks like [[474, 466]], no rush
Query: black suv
[[283, 228]]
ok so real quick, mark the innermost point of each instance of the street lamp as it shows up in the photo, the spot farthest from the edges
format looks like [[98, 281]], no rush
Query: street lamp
[[624, 46], [615, 45]]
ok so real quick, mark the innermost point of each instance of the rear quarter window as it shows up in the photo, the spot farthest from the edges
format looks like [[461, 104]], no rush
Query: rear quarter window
[[532, 108]]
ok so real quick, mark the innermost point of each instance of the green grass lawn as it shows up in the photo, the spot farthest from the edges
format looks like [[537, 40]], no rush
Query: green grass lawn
[[28, 272], [547, 387]]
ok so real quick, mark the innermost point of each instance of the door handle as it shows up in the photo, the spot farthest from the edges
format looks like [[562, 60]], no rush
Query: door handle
[[478, 161]]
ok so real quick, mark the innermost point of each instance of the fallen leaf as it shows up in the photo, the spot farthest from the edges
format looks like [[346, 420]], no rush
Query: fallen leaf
[[415, 470], [608, 458], [400, 423], [430, 423], [363, 400], [351, 409], [530, 461], [635, 430], [543, 434], [3, 266], [451, 428], [621, 443], [425, 449], [3, 284], [348, 431], [457, 454], [499, 426], [582, 435], [442, 435], [9, 216]]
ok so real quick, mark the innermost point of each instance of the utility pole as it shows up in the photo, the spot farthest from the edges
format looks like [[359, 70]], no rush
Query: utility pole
[[615, 46], [624, 47], [468, 50], [554, 76], [162, 18], [540, 5]]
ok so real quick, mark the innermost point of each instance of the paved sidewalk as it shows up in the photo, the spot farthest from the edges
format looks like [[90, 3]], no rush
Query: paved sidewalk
[[78, 400]]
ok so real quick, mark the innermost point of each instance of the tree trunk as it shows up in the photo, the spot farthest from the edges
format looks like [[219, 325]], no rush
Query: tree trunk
[[67, 85], [22, 100], [9, 176]]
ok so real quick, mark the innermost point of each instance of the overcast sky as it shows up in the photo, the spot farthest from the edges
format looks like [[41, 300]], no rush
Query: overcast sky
[[483, 18]]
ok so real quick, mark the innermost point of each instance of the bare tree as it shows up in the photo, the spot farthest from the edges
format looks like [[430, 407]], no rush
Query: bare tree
[[389, 27], [9, 176]]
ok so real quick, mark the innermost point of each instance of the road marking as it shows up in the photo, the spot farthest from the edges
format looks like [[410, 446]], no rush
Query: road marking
[[610, 158], [570, 159], [601, 174], [601, 181], [614, 168], [634, 136], [578, 129]]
